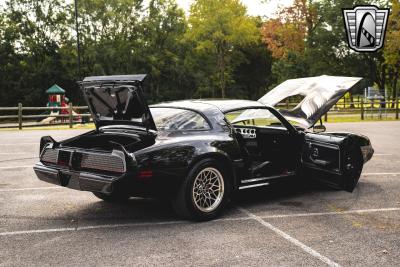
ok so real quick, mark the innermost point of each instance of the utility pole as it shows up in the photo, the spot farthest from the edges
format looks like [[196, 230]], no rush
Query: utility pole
[[78, 43]]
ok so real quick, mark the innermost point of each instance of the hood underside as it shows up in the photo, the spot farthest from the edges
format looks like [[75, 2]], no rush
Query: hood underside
[[318, 95]]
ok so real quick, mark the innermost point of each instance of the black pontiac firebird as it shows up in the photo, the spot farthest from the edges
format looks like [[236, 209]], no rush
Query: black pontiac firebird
[[199, 152]]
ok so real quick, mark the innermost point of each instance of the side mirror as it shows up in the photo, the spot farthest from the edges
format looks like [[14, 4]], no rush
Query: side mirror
[[319, 128]]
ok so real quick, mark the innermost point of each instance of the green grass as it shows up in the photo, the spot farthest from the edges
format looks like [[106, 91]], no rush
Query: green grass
[[356, 118], [259, 122], [89, 126]]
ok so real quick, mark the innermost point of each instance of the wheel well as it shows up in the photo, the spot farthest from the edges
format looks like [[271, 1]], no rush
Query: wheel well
[[220, 159]]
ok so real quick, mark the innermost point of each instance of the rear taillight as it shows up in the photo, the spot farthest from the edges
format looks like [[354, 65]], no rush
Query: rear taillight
[[145, 174]]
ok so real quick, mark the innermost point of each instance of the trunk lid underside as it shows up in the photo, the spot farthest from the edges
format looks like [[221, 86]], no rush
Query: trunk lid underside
[[118, 100]]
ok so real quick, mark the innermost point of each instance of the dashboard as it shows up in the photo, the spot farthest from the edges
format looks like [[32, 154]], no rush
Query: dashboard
[[247, 133]]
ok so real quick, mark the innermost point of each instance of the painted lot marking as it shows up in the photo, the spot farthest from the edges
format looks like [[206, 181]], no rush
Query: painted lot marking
[[328, 213], [16, 167], [81, 228], [17, 159], [380, 173], [139, 224], [291, 239], [31, 188], [15, 153], [24, 144]]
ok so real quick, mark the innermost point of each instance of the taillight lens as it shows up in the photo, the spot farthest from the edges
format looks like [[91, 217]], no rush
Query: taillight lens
[[145, 174]]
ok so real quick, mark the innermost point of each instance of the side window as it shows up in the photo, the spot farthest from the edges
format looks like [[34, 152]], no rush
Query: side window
[[175, 119], [253, 117]]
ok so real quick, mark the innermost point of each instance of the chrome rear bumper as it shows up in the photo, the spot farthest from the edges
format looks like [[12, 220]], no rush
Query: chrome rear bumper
[[76, 180]]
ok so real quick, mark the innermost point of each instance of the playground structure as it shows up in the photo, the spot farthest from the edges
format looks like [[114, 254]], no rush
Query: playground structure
[[60, 103]]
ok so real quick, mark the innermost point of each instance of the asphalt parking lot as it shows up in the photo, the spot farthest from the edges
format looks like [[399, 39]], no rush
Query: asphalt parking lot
[[289, 224]]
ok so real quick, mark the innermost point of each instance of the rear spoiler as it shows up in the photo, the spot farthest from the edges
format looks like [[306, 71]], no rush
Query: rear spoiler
[[117, 79]]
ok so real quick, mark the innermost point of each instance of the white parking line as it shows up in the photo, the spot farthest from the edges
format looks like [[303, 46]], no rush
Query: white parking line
[[291, 239], [15, 153], [16, 167], [328, 213], [381, 173], [375, 154], [104, 226], [17, 144], [81, 228], [30, 188]]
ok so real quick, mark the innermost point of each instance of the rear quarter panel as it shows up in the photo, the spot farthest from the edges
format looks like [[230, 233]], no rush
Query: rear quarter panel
[[173, 155]]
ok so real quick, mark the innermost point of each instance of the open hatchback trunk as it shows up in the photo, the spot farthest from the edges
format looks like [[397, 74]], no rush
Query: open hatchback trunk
[[123, 125], [118, 100], [120, 112]]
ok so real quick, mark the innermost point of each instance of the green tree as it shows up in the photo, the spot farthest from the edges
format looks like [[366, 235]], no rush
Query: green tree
[[217, 28], [392, 48], [164, 28], [32, 31], [320, 46]]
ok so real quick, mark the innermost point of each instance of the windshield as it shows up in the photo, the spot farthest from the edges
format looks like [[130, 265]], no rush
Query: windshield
[[175, 119], [256, 117]]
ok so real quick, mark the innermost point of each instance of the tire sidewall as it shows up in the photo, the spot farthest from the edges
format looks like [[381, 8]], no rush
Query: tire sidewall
[[206, 163]]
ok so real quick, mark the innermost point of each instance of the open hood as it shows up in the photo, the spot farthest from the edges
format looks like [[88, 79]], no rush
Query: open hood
[[118, 100], [318, 95]]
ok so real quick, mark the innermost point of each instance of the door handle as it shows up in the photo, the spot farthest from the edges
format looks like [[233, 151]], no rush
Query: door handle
[[320, 162]]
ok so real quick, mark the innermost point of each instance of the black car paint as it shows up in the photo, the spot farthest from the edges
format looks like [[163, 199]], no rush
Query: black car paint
[[172, 154]]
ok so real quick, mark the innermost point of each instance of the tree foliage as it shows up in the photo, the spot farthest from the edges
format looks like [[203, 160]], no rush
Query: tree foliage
[[217, 50], [392, 49], [217, 29]]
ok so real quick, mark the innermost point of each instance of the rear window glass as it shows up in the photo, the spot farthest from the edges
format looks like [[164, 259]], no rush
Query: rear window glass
[[175, 119]]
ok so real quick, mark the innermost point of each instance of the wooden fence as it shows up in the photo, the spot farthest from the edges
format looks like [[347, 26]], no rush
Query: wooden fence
[[20, 119]]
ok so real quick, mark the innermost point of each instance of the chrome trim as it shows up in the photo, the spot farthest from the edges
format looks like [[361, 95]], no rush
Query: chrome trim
[[252, 185], [267, 178], [114, 154]]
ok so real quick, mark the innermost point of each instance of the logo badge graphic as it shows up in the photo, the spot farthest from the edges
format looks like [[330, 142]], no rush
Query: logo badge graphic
[[366, 27]]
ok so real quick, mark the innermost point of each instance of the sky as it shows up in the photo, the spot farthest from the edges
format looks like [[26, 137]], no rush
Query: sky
[[254, 7]]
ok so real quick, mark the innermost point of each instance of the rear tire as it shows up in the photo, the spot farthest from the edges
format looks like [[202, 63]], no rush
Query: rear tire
[[204, 192], [111, 198]]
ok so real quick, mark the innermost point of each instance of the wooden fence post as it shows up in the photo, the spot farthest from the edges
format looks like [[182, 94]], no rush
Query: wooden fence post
[[287, 103], [326, 117], [71, 116], [20, 116], [362, 109], [397, 107]]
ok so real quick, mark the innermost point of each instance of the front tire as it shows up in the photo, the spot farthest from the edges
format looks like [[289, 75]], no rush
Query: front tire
[[204, 192]]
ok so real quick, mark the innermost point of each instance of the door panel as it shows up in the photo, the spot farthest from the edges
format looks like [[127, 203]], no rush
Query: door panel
[[333, 160], [323, 156]]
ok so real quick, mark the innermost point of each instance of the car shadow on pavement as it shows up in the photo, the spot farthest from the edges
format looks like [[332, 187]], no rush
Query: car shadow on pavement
[[283, 194], [134, 209]]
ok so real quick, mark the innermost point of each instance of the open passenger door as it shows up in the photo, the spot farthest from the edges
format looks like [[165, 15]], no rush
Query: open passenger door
[[334, 159]]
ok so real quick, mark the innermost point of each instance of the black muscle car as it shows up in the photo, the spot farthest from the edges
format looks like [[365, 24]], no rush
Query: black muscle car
[[199, 152]]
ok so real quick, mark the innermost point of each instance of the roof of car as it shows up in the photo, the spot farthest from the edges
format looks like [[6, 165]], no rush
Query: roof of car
[[224, 105]]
